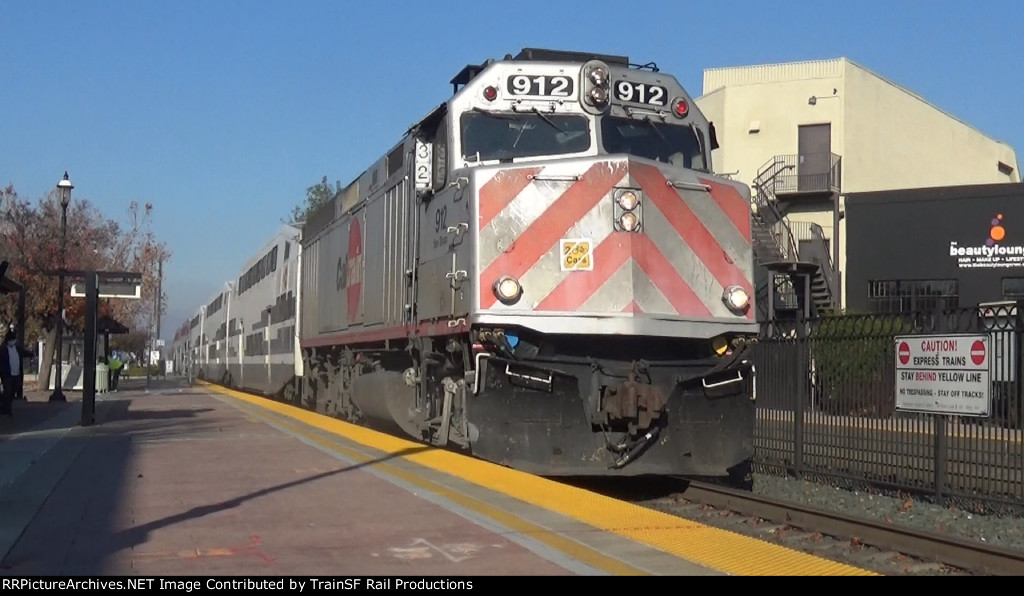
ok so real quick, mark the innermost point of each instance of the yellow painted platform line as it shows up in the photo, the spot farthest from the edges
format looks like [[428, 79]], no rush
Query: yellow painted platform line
[[718, 549], [572, 548]]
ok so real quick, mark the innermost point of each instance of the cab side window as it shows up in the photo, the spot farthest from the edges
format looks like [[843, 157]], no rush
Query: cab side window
[[440, 155]]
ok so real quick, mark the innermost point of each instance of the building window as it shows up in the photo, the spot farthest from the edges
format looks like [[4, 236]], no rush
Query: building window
[[895, 296], [1013, 287]]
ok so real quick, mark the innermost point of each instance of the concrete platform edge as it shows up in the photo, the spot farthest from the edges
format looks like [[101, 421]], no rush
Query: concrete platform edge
[[534, 546], [656, 562]]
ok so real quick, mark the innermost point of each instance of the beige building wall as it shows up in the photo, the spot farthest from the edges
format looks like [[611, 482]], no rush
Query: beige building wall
[[897, 139], [887, 136]]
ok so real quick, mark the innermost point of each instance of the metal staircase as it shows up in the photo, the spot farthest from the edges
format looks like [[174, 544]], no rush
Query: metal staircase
[[789, 278]]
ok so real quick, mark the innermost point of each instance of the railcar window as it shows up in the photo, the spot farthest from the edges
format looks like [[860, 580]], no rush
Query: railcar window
[[264, 267], [668, 143], [440, 157], [490, 136], [395, 160]]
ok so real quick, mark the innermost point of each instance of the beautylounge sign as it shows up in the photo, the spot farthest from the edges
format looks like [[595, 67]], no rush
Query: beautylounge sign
[[994, 253]]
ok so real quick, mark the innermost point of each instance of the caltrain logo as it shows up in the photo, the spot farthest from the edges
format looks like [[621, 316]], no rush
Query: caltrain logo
[[992, 253], [353, 269]]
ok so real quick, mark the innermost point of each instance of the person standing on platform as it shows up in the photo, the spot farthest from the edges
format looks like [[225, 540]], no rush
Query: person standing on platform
[[11, 372], [115, 364]]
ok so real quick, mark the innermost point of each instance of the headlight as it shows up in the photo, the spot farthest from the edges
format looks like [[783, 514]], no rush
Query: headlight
[[629, 221], [736, 298], [599, 77], [508, 290], [628, 200], [598, 96]]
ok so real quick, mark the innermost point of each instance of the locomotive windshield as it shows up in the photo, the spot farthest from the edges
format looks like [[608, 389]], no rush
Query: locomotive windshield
[[679, 145], [504, 136]]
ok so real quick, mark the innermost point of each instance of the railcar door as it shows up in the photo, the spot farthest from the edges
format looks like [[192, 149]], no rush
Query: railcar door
[[441, 278]]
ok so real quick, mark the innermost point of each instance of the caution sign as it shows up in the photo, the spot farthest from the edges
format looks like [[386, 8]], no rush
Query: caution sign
[[577, 254], [944, 374]]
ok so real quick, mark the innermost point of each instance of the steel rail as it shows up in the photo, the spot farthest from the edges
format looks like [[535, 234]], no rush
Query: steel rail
[[950, 550]]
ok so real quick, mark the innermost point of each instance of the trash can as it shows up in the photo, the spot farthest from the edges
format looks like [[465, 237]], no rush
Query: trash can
[[102, 378]]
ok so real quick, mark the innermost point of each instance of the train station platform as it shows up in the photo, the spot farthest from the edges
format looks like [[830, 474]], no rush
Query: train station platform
[[201, 480]]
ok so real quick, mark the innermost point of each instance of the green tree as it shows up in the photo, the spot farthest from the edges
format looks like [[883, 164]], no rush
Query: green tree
[[316, 196]]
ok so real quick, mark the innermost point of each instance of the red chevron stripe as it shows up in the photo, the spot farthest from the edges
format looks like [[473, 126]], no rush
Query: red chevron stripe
[[689, 227], [736, 208], [633, 307], [665, 277], [609, 256], [501, 190], [539, 238], [579, 286]]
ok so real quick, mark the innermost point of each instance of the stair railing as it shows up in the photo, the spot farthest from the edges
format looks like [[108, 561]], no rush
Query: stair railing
[[768, 209], [820, 253]]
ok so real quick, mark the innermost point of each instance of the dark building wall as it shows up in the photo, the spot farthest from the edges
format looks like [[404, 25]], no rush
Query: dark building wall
[[926, 248]]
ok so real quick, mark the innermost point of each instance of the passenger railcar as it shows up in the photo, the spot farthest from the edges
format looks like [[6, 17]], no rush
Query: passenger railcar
[[544, 272], [190, 338], [213, 316], [244, 337], [179, 347]]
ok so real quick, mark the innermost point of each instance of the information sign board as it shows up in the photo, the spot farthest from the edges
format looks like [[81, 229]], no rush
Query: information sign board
[[113, 285], [944, 374]]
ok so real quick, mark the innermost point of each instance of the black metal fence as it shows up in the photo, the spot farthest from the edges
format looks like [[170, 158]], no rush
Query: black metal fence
[[827, 409]]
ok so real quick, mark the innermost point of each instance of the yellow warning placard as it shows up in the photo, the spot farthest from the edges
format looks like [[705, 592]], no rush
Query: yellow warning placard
[[577, 254]]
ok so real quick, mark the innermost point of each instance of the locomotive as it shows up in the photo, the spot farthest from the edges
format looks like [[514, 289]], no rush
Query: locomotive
[[543, 272]]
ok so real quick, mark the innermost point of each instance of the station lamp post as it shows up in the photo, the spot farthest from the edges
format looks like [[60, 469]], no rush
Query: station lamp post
[[64, 194]]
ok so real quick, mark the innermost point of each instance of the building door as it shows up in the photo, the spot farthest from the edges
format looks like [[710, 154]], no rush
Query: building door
[[815, 157], [807, 253]]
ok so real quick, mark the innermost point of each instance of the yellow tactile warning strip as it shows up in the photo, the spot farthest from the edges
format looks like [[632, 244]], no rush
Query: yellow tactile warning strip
[[718, 549], [569, 547]]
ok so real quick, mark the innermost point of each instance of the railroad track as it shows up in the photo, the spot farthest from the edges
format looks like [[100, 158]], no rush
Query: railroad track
[[881, 547]]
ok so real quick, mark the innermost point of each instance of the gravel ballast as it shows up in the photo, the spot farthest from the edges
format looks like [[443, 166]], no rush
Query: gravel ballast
[[1003, 531]]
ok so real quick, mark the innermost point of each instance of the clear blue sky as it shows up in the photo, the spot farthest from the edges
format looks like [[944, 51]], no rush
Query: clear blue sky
[[222, 112]]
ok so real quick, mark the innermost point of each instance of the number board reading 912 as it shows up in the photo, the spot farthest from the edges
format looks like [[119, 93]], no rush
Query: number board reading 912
[[644, 93], [943, 374], [522, 85]]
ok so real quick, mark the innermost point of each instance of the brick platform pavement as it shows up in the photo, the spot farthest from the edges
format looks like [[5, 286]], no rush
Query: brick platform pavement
[[36, 411], [33, 411], [177, 482]]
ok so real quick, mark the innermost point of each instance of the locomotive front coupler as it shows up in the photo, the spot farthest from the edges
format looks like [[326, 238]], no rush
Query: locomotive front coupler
[[633, 401]]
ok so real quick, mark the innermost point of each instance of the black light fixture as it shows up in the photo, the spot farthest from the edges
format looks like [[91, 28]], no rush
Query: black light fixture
[[64, 194], [813, 100], [64, 188]]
